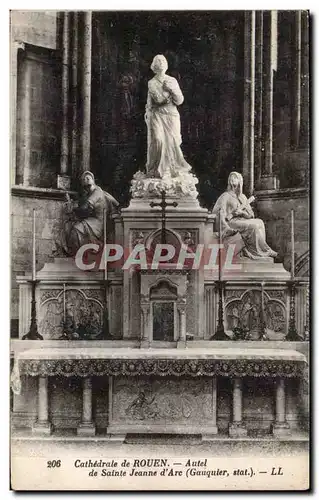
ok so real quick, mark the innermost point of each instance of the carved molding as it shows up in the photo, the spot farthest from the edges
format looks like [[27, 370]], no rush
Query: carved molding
[[183, 186], [277, 294], [163, 368], [162, 271], [45, 295], [233, 294]]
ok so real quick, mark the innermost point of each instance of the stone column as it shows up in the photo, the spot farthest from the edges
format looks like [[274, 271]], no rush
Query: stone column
[[24, 124], [304, 93], [213, 429], [210, 319], [258, 153], [249, 101], [74, 93], [268, 178], [237, 428], [181, 307], [296, 102], [280, 427], [86, 90], [86, 427], [42, 425], [146, 328], [15, 47], [307, 315], [63, 179]]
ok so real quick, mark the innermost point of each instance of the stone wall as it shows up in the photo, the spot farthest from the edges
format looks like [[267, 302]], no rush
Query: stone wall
[[37, 28], [48, 205], [291, 132], [38, 130], [205, 54], [274, 207]]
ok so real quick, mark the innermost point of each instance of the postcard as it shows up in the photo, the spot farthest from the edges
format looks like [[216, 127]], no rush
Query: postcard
[[160, 250]]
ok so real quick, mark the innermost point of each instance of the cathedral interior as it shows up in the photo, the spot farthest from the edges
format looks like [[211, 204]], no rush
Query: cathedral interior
[[78, 93]]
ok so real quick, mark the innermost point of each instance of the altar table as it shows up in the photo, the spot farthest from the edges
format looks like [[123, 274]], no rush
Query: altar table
[[159, 390]]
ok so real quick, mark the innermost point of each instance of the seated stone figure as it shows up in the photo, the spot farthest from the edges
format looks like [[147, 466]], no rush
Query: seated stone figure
[[237, 218], [85, 219]]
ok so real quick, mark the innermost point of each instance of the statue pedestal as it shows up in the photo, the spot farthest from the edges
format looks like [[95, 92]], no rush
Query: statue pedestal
[[247, 269], [64, 288], [179, 187], [142, 225], [261, 269]]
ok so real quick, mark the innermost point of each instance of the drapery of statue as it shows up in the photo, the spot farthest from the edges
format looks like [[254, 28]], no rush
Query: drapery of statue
[[84, 219], [235, 217], [166, 168]]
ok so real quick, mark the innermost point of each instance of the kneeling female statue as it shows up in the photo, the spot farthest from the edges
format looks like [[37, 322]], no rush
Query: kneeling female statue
[[237, 217]]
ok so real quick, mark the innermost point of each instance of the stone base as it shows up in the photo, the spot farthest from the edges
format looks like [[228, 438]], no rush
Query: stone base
[[261, 269], [183, 185], [42, 428], [86, 429], [211, 436], [117, 438], [268, 182], [65, 269], [181, 344], [280, 429], [140, 207], [119, 431], [145, 344], [237, 430]]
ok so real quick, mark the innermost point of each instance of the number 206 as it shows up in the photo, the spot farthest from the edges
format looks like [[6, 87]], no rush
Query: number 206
[[53, 463]]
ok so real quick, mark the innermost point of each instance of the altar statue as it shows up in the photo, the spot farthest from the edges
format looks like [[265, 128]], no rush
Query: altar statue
[[237, 217], [85, 218], [166, 168], [164, 154]]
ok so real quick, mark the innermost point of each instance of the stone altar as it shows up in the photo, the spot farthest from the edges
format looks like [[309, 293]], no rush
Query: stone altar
[[136, 380], [157, 390], [205, 386]]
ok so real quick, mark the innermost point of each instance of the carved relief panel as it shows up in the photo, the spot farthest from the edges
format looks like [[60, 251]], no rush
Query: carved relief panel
[[82, 309], [251, 310], [158, 400]]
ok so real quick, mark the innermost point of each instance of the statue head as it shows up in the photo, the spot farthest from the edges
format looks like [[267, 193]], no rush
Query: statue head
[[159, 64], [235, 182], [87, 179]]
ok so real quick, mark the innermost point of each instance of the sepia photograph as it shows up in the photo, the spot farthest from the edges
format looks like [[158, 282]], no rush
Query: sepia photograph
[[160, 251]]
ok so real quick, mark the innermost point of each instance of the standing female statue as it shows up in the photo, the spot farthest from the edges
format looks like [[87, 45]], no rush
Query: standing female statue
[[164, 155], [237, 217]]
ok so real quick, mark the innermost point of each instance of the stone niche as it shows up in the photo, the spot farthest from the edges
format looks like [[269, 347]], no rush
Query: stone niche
[[163, 305]]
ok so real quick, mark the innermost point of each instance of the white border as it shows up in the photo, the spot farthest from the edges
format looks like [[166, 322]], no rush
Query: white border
[[4, 199]]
